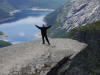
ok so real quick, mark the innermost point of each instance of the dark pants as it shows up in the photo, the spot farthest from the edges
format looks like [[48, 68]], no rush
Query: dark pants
[[45, 37]]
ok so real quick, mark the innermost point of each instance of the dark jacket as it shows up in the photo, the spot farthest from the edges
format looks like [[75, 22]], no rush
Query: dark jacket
[[43, 30]]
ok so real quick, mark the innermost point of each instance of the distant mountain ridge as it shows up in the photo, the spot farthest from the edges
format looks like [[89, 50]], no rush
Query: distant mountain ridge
[[23, 4], [7, 6], [3, 14]]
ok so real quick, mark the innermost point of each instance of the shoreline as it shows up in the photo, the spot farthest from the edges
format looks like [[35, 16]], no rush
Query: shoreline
[[16, 11], [34, 9], [41, 9], [4, 35], [13, 12]]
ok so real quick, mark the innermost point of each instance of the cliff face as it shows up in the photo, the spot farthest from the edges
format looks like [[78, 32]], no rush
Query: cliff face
[[80, 13], [86, 62], [57, 19], [59, 14]]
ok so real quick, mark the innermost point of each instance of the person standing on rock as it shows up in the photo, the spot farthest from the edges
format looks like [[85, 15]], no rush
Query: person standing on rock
[[44, 33]]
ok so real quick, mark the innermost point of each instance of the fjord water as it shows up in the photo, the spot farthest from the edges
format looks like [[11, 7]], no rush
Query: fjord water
[[22, 28]]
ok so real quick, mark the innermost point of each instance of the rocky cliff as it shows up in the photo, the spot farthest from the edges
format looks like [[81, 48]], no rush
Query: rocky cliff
[[33, 58], [86, 62], [83, 12], [74, 25], [80, 12]]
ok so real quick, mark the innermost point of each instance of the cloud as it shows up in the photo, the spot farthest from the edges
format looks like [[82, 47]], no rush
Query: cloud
[[22, 34]]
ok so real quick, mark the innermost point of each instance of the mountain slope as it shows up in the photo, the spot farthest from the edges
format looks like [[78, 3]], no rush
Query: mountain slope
[[4, 16], [6, 6], [23, 4], [4, 43], [80, 13], [59, 15], [9, 5]]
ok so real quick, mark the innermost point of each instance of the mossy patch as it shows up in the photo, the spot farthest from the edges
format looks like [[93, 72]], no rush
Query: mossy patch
[[1, 33], [92, 28], [4, 43]]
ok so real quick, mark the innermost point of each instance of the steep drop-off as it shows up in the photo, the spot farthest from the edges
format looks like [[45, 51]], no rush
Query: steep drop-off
[[87, 62], [78, 25], [34, 58]]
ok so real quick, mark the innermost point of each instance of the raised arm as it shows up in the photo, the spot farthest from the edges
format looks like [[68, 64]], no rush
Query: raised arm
[[38, 26], [49, 27]]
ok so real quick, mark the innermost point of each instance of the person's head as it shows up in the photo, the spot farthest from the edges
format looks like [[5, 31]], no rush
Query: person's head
[[43, 25]]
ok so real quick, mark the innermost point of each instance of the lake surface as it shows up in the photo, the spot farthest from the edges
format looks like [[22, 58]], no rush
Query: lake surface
[[22, 28]]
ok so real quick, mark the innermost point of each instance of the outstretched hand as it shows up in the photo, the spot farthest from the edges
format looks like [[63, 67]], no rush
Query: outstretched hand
[[36, 25]]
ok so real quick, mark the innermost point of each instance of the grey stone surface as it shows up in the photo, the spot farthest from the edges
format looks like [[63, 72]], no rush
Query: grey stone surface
[[33, 57], [74, 14], [82, 12]]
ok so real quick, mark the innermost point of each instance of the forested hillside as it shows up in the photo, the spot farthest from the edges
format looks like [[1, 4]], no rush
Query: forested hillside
[[7, 6], [23, 4], [4, 43], [3, 14]]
